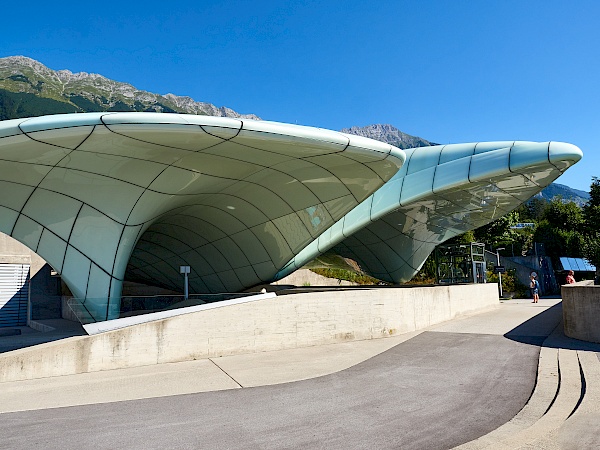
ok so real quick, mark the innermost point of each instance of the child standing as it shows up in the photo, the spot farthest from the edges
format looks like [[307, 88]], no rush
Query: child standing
[[535, 288]]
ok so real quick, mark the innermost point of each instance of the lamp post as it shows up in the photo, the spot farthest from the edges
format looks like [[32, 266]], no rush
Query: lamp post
[[185, 270], [499, 273]]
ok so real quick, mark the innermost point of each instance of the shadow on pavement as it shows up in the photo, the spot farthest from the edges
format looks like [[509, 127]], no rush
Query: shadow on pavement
[[22, 337], [536, 330]]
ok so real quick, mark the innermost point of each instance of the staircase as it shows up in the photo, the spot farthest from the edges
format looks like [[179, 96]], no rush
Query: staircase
[[564, 407]]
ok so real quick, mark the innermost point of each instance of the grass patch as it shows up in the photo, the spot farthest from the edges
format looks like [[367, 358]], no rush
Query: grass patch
[[347, 275]]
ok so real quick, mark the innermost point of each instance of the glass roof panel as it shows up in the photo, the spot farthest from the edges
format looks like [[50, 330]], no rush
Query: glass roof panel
[[75, 271], [529, 155], [251, 246], [52, 249], [424, 158], [28, 232], [133, 171], [417, 185], [287, 145], [340, 206], [15, 195], [93, 231], [219, 166], [297, 195], [8, 217], [319, 180], [488, 165], [452, 152], [294, 231], [103, 140], [259, 157], [451, 174], [316, 219], [22, 149], [359, 181], [385, 168], [232, 252], [181, 136], [483, 147], [96, 190], [55, 211], [275, 244], [263, 199], [63, 137]]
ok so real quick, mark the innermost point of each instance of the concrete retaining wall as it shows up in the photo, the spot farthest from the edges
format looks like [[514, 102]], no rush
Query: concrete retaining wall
[[287, 321], [581, 311], [11, 248], [304, 277]]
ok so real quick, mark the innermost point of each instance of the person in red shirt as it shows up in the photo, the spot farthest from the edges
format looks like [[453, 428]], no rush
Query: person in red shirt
[[570, 277]]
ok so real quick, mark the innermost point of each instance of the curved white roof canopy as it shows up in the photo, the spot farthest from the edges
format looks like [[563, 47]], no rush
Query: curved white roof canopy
[[101, 194], [440, 192]]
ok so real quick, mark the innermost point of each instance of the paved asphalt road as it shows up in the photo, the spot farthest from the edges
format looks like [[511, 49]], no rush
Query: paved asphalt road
[[435, 391]]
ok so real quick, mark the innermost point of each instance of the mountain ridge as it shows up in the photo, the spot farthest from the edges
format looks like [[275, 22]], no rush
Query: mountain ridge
[[566, 193], [86, 92]]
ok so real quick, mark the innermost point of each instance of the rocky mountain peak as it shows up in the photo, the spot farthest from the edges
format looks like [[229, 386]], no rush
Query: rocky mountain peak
[[66, 76], [390, 134], [16, 62]]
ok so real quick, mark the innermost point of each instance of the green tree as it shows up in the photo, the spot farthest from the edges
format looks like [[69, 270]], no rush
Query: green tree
[[465, 238], [564, 216], [591, 214], [591, 211], [533, 210], [591, 251], [561, 230]]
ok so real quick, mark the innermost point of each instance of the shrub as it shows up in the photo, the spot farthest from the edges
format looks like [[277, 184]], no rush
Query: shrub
[[510, 283]]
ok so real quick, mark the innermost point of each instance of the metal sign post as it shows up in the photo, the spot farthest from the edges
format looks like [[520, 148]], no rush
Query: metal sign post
[[499, 272], [185, 270]]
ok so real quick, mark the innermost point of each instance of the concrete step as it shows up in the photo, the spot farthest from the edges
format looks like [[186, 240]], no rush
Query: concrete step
[[564, 409], [545, 391], [582, 429], [543, 433]]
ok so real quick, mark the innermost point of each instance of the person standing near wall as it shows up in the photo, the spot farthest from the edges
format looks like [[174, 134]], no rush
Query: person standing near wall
[[535, 288], [570, 277]]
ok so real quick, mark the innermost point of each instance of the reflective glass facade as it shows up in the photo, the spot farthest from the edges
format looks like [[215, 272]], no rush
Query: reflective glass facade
[[440, 192]]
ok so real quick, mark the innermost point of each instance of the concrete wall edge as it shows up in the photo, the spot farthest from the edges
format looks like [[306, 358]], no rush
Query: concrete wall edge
[[287, 321]]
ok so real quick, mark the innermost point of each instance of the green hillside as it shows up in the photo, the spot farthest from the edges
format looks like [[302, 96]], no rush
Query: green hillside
[[15, 105]]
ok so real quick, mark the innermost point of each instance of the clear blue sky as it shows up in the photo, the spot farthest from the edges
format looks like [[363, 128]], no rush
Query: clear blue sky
[[448, 71]]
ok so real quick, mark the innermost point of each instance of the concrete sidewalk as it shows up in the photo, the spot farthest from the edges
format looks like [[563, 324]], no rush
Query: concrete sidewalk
[[564, 409], [229, 372], [204, 375], [456, 383]]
